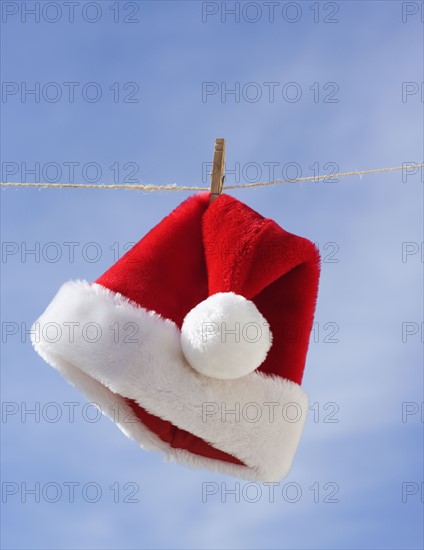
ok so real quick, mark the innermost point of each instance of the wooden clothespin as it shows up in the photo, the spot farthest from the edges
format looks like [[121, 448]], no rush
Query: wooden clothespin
[[218, 169]]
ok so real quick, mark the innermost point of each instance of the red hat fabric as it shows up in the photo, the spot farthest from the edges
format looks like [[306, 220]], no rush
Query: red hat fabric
[[201, 332]]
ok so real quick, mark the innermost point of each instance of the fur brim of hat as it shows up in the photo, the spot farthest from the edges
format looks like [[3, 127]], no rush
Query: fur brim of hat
[[256, 418]]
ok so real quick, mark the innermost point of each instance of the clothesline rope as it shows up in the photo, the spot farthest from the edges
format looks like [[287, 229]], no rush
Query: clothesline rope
[[175, 187]]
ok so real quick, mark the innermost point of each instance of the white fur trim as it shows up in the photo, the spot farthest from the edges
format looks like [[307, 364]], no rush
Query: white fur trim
[[225, 336], [110, 347]]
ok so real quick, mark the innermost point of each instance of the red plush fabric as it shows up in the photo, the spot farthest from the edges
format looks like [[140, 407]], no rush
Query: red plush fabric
[[177, 438], [278, 271], [166, 271], [201, 249]]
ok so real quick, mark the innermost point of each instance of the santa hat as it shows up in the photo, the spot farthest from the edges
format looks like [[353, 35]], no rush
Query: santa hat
[[201, 331]]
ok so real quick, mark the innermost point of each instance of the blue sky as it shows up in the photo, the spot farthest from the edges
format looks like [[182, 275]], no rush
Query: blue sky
[[368, 290]]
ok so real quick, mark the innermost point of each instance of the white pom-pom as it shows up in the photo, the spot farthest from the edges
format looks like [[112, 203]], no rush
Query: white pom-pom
[[225, 336]]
